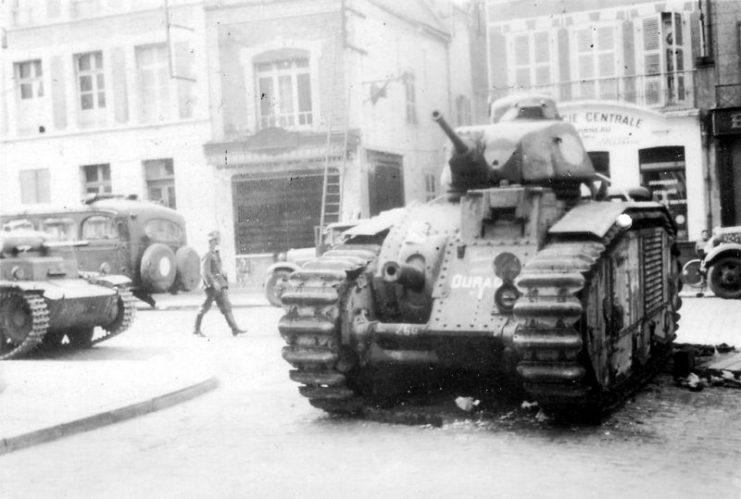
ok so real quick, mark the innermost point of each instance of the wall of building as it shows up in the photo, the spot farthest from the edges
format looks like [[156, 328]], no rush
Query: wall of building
[[126, 131]]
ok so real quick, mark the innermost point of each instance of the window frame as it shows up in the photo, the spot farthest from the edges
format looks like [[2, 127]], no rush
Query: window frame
[[599, 85], [101, 186], [97, 78], [289, 109], [532, 65]]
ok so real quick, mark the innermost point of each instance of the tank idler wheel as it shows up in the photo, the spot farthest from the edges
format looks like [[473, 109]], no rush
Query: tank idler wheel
[[725, 277], [24, 319], [81, 337], [126, 309]]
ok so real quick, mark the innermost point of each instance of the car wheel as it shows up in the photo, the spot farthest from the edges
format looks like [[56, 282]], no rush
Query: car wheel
[[275, 287], [725, 277], [188, 267], [158, 267]]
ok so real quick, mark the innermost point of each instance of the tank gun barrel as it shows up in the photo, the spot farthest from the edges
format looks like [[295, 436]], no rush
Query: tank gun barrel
[[460, 146], [408, 276]]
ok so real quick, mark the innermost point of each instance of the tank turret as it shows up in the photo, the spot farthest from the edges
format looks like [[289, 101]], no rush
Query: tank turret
[[528, 144]]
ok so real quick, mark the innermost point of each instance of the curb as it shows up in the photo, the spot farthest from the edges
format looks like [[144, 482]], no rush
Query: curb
[[106, 418]]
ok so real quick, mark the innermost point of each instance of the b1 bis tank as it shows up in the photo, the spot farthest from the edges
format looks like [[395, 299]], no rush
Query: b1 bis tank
[[528, 268], [45, 300]]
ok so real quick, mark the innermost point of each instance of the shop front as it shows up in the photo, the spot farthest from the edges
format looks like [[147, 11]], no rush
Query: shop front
[[637, 146]]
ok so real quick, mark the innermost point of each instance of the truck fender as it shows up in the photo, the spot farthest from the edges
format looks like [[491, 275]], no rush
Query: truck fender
[[721, 250], [290, 267]]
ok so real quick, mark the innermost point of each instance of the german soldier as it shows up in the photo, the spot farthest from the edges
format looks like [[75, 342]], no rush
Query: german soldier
[[216, 287]]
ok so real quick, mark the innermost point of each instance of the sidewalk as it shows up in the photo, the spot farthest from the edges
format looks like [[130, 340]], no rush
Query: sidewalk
[[185, 300], [44, 400]]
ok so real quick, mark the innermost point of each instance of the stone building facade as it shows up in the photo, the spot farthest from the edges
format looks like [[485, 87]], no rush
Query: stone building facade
[[633, 76]]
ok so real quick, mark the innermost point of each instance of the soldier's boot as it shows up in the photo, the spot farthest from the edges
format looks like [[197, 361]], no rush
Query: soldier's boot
[[233, 324], [197, 329]]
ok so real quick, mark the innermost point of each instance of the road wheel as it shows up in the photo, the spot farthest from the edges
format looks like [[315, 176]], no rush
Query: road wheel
[[188, 267], [725, 277], [80, 337], [158, 267], [275, 287]]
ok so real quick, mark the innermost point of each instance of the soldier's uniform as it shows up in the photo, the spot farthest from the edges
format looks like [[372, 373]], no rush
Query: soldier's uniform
[[216, 286]]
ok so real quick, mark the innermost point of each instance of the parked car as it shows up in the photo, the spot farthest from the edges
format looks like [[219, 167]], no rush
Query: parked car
[[142, 240], [718, 265], [277, 274]]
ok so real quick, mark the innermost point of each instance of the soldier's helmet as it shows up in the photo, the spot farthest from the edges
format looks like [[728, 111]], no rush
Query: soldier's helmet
[[213, 236]]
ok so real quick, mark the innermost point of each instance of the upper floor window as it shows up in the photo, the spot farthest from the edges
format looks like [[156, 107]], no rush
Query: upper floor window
[[96, 179], [35, 186], [160, 177], [29, 78], [532, 59], [411, 98], [664, 52], [284, 90], [154, 83], [462, 111], [595, 65], [91, 80]]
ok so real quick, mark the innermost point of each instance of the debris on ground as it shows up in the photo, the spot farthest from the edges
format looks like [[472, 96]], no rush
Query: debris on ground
[[528, 405], [466, 403]]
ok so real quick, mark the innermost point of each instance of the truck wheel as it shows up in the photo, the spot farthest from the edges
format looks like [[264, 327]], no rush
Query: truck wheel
[[158, 267], [725, 277], [275, 286], [188, 267]]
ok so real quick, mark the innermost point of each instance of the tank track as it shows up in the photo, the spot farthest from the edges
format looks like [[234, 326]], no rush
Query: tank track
[[39, 322], [123, 322], [314, 301], [555, 368]]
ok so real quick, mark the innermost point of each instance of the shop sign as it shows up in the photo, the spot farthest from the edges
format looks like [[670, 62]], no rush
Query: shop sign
[[727, 121], [606, 126]]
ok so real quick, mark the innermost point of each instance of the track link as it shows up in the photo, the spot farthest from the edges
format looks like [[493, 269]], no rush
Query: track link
[[311, 327], [126, 311], [37, 322], [555, 367]]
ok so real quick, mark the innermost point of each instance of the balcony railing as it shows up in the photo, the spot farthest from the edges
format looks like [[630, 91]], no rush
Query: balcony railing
[[728, 95], [667, 90]]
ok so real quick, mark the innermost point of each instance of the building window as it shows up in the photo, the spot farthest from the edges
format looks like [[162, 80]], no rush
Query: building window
[[35, 186], [664, 53], [663, 172], [600, 161], [91, 81], [154, 83], [595, 62], [532, 60], [160, 177], [430, 187], [29, 78], [284, 92], [411, 98], [96, 179], [462, 111]]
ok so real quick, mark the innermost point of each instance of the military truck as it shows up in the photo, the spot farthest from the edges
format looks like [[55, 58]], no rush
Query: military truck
[[143, 240], [527, 270], [46, 300]]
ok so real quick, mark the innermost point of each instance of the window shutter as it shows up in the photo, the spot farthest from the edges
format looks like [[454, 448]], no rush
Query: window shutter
[[59, 102], [651, 34]]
